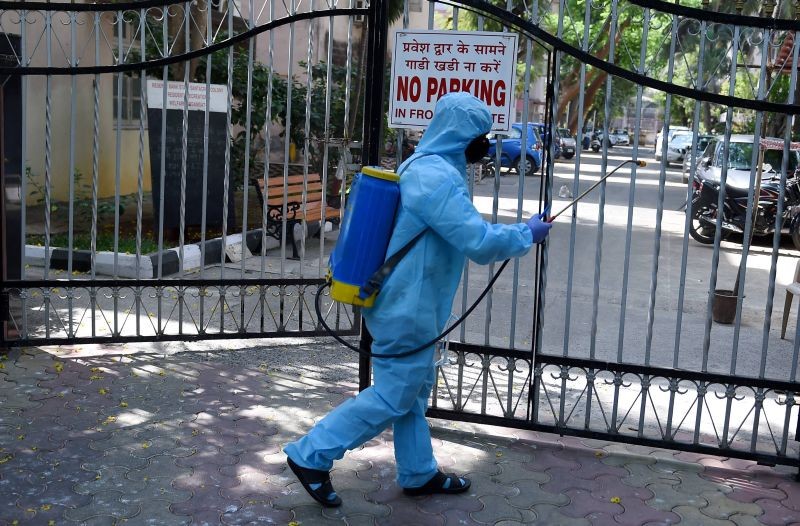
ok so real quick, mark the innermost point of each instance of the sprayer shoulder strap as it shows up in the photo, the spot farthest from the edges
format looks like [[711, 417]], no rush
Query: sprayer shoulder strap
[[375, 281]]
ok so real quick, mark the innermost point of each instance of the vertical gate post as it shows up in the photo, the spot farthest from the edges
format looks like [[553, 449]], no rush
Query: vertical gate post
[[4, 300], [377, 37]]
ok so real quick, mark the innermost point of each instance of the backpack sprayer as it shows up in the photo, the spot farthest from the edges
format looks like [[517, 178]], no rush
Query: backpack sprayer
[[358, 264]]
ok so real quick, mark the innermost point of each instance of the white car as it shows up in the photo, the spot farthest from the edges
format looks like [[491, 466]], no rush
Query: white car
[[678, 146], [660, 138], [619, 138]]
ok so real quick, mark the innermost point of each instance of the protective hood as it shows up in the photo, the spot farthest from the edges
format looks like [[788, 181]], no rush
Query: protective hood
[[458, 118]]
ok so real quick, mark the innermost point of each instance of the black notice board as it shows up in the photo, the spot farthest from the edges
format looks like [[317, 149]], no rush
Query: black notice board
[[217, 134]]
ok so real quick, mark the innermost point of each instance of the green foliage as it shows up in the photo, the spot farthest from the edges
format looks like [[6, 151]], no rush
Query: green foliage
[[270, 99], [82, 202]]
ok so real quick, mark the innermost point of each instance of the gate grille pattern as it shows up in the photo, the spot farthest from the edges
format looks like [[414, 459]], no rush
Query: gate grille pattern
[[85, 158], [622, 343]]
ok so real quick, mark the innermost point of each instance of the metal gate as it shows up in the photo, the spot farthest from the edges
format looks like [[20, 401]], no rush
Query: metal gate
[[188, 138], [609, 331]]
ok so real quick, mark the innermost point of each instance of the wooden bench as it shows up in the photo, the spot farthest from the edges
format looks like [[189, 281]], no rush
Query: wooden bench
[[303, 204]]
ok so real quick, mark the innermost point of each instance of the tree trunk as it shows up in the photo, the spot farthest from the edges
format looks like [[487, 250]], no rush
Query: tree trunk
[[569, 96]]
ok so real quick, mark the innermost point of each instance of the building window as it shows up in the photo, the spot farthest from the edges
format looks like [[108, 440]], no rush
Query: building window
[[126, 110]]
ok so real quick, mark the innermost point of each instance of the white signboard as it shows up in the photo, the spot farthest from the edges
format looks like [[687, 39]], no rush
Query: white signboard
[[429, 64], [196, 96]]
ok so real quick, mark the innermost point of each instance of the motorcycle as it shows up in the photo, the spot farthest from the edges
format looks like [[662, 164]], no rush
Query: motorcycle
[[704, 210], [485, 169]]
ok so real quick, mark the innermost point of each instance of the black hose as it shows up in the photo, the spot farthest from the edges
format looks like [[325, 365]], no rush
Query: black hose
[[460, 320], [417, 349]]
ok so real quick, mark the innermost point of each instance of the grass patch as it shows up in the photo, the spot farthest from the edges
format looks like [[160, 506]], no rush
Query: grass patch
[[105, 242]]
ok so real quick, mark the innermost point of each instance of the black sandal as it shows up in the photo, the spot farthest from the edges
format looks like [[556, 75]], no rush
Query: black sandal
[[317, 483], [440, 483]]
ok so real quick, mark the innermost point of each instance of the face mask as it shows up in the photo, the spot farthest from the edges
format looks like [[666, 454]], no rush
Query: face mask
[[477, 149]]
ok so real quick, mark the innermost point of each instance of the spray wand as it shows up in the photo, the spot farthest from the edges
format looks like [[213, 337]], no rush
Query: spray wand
[[572, 203], [460, 320]]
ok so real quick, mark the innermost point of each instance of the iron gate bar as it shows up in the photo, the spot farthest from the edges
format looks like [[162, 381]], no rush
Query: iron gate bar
[[532, 31], [717, 17], [460, 416], [790, 389], [174, 59], [776, 239]]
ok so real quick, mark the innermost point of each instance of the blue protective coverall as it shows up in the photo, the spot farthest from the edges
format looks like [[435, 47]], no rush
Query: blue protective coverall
[[415, 301]]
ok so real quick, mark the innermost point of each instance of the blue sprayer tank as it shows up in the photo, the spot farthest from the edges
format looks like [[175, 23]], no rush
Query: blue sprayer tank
[[364, 237]]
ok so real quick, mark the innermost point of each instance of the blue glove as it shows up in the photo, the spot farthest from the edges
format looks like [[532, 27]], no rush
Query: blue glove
[[539, 227]]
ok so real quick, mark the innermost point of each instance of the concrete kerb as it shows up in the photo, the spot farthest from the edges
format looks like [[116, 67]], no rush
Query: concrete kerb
[[146, 266]]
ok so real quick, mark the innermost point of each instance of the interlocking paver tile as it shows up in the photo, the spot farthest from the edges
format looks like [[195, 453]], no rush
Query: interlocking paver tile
[[110, 477], [457, 517], [114, 457], [792, 491], [354, 503], [776, 514], [641, 475], [562, 480], [531, 495], [745, 478], [44, 511], [204, 456], [407, 515], [311, 514], [582, 504], [495, 508], [745, 520], [158, 466], [637, 513], [388, 493], [483, 484], [694, 484], [102, 520], [601, 519], [438, 504], [512, 471], [665, 497], [545, 459], [547, 514], [721, 507], [157, 488], [103, 503], [155, 512], [207, 498], [257, 510], [609, 486], [206, 517], [692, 515]]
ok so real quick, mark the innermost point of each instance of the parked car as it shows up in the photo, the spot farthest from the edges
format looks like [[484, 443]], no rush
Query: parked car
[[706, 187], [677, 147], [660, 139], [568, 144], [740, 155], [702, 143], [596, 142], [511, 152], [619, 137], [544, 135]]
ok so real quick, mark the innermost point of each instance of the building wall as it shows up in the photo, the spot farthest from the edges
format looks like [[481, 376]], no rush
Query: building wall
[[63, 94]]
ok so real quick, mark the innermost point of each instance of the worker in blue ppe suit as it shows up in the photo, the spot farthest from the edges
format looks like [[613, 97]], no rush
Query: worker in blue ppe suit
[[414, 305]]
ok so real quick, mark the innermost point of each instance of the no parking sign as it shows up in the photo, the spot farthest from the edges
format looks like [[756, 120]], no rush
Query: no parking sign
[[429, 64]]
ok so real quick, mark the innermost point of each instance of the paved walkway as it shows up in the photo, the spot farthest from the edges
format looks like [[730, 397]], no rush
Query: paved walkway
[[195, 438]]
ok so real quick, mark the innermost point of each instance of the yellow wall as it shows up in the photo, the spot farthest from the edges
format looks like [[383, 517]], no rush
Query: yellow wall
[[61, 90]]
